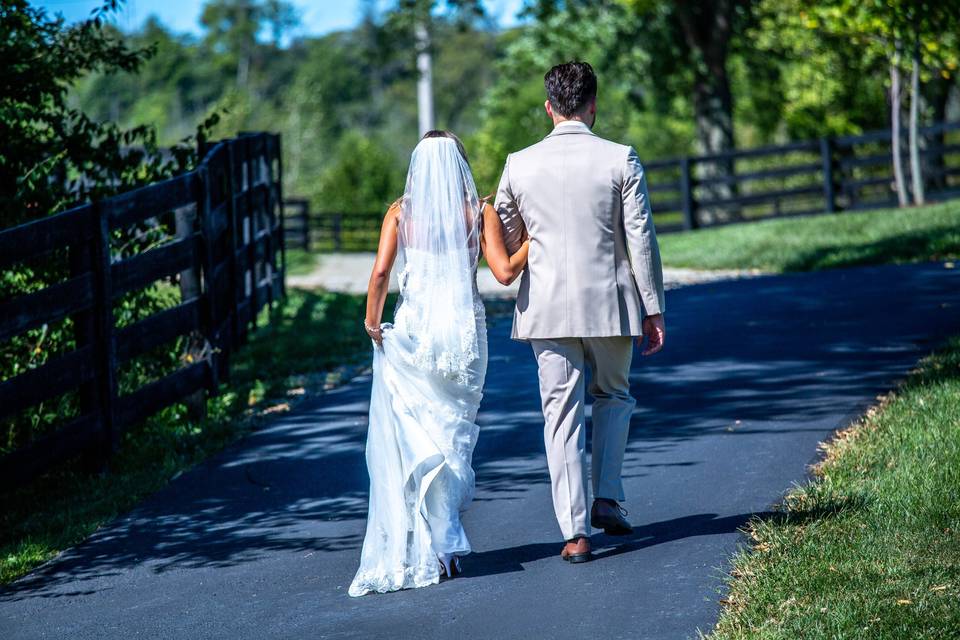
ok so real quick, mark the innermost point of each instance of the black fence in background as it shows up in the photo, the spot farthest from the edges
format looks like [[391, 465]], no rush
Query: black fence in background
[[843, 173], [231, 247], [832, 174], [296, 223], [328, 232]]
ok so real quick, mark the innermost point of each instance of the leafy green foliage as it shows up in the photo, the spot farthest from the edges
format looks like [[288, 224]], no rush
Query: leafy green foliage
[[629, 109], [880, 28], [788, 81], [361, 174], [232, 30], [54, 155]]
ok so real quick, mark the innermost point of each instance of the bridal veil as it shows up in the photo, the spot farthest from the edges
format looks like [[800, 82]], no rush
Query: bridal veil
[[427, 380]]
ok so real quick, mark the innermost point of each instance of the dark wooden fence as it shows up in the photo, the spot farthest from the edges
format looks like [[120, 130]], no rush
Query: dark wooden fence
[[828, 175], [296, 223], [233, 248], [327, 231]]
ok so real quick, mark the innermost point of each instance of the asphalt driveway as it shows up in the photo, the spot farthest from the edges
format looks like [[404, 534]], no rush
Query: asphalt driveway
[[262, 540]]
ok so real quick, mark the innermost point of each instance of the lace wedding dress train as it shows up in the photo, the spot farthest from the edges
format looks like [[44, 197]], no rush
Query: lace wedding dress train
[[427, 385]]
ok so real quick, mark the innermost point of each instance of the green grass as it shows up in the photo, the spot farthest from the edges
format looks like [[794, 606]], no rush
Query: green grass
[[310, 333], [300, 262], [871, 547], [821, 242]]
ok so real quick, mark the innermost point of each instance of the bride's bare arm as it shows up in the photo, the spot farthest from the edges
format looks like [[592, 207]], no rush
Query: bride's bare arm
[[380, 276], [505, 267]]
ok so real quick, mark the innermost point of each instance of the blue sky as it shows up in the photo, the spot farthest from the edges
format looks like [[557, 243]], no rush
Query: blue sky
[[317, 16]]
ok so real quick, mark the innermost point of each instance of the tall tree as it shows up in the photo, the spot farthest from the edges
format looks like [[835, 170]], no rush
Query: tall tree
[[233, 27], [706, 30], [933, 25], [412, 21], [909, 35]]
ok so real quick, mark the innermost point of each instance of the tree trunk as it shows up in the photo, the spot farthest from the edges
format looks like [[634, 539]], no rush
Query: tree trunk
[[424, 79], [373, 39], [936, 96], [707, 31], [899, 183], [243, 70], [916, 171], [714, 120]]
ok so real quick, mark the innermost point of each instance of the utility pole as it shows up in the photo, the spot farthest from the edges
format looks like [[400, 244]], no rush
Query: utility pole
[[425, 78]]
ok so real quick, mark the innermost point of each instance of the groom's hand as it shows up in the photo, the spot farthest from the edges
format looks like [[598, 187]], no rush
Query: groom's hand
[[654, 331]]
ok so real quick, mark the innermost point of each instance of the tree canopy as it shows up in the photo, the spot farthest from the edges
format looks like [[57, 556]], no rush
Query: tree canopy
[[54, 153], [675, 78]]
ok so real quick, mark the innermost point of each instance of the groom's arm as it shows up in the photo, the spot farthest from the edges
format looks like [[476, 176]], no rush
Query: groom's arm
[[509, 213], [641, 236]]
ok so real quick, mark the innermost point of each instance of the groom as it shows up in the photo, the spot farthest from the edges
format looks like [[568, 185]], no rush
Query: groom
[[593, 282]]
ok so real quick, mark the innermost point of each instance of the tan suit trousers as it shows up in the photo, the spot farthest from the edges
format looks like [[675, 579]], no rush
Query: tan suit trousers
[[562, 365]]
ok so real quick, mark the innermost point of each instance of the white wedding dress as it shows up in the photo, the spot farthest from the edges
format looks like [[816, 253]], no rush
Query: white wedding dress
[[427, 381]]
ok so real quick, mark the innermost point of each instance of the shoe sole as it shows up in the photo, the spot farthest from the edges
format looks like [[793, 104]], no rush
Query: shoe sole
[[578, 558], [611, 529]]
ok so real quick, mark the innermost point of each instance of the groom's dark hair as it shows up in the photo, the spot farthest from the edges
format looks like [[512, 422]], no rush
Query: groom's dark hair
[[570, 87]]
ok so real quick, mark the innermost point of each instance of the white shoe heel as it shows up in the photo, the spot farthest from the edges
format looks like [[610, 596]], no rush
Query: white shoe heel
[[450, 565]]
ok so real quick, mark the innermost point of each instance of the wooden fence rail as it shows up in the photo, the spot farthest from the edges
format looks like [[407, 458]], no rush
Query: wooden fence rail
[[296, 217], [828, 175], [233, 246]]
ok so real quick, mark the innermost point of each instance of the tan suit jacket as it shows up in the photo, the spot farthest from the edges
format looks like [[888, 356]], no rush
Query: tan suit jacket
[[594, 267]]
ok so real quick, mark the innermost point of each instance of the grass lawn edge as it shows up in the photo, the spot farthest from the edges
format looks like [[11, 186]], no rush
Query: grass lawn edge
[[844, 553]]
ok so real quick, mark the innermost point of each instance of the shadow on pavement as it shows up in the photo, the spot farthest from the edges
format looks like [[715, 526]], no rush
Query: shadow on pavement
[[512, 559], [745, 357]]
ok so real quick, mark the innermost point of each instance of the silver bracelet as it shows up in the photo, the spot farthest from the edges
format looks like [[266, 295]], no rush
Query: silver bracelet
[[371, 329]]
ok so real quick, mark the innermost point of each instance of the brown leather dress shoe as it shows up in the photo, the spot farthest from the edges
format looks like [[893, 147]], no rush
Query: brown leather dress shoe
[[606, 514], [577, 550]]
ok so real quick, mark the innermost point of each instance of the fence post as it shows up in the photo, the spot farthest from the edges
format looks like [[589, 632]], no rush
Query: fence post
[[278, 150], [337, 229], [265, 175], [104, 342], [209, 285], [686, 194], [250, 238], [82, 256], [829, 185], [185, 219], [232, 231], [305, 224]]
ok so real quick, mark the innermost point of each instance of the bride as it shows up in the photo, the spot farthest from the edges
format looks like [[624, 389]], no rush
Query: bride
[[428, 369]]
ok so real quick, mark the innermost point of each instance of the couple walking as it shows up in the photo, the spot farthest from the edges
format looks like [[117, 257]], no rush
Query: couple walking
[[572, 215]]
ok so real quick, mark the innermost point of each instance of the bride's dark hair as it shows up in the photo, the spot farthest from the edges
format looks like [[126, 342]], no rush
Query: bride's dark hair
[[440, 133]]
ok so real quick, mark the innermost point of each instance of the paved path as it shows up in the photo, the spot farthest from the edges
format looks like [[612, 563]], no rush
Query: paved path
[[350, 272], [261, 541]]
